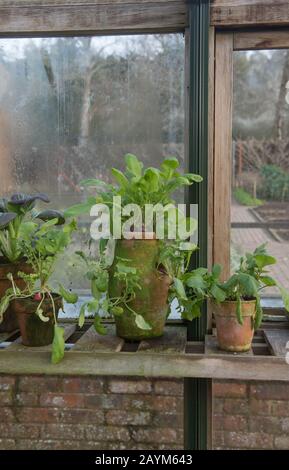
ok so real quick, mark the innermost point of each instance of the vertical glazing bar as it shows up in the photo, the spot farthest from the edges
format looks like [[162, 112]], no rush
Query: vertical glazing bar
[[196, 389]]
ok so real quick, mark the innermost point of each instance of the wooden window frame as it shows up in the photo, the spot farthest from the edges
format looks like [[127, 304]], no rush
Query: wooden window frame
[[226, 43]]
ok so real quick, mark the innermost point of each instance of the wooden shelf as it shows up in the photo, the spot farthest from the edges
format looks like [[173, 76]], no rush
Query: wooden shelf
[[170, 356]]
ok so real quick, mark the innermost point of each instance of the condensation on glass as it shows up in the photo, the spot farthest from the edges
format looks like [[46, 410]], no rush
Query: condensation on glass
[[260, 158], [70, 108]]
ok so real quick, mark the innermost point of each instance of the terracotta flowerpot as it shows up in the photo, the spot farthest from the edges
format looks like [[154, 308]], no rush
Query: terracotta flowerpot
[[230, 334], [151, 301], [9, 322], [35, 332]]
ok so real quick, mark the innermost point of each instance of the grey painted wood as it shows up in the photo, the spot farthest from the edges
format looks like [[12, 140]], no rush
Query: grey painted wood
[[92, 341], [277, 341], [173, 341]]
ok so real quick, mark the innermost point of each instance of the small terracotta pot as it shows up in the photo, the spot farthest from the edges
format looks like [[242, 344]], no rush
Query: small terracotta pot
[[151, 302], [35, 332], [9, 322], [230, 334]]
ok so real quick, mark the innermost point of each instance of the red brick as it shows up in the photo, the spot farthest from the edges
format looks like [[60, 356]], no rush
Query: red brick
[[107, 433], [157, 435], [218, 405], [260, 407], [230, 389], [270, 391], [281, 442], [6, 383], [6, 398], [7, 444], [39, 384], [169, 387], [82, 416], [63, 431], [279, 408], [218, 439], [236, 406], [7, 415], [266, 424], [26, 399], [128, 417], [230, 423], [19, 430], [247, 440], [62, 400], [170, 420], [83, 385], [105, 401], [129, 386], [38, 415]]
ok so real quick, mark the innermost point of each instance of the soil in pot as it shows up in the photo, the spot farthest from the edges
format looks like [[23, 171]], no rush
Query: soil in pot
[[151, 301], [35, 332], [10, 322], [231, 335]]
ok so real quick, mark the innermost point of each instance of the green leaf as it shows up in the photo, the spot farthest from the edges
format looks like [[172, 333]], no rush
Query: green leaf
[[258, 314], [268, 280], [249, 284], [180, 289], [93, 305], [4, 304], [117, 311], [79, 209], [171, 162], [141, 323], [120, 178], [195, 281], [93, 182], [99, 328], [239, 311], [69, 297], [152, 178], [264, 260], [57, 345], [193, 177], [216, 271], [191, 311], [81, 318], [218, 294], [50, 214], [133, 165]]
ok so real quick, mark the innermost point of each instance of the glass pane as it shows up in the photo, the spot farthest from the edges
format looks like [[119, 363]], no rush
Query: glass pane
[[260, 162], [71, 108]]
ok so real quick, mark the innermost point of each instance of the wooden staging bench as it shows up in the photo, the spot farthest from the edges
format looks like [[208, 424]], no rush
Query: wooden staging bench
[[88, 353]]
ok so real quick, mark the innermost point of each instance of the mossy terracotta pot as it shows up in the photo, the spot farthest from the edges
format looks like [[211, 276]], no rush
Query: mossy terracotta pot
[[231, 335], [9, 322], [152, 300], [35, 332]]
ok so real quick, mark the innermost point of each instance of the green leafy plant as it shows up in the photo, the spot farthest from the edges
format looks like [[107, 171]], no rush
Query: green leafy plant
[[243, 197], [102, 305], [137, 185], [14, 213], [41, 244], [275, 183]]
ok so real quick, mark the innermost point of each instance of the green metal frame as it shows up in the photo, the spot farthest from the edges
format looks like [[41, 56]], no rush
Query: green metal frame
[[196, 390]]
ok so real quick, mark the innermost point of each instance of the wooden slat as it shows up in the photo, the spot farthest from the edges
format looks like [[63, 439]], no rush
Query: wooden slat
[[99, 18], [223, 150], [277, 341], [239, 367], [249, 12], [173, 341], [69, 329], [211, 347], [21, 3], [92, 341], [261, 40]]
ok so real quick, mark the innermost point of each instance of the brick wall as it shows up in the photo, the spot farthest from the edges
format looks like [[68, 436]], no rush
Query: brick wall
[[38, 412], [251, 415]]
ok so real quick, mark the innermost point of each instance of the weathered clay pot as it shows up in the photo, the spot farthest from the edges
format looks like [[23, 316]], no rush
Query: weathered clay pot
[[152, 300], [230, 334], [9, 322], [35, 332]]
